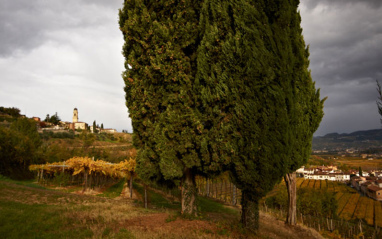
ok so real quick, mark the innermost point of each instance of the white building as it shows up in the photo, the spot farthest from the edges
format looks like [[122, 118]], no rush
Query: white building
[[323, 173]]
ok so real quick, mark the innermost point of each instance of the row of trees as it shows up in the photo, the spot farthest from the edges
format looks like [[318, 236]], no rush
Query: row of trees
[[14, 112], [54, 119], [214, 86], [96, 126]]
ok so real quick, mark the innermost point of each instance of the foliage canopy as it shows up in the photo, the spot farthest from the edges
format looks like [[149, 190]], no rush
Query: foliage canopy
[[19, 146]]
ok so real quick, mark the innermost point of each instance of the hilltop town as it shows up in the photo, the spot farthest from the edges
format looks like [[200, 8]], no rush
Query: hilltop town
[[74, 125]]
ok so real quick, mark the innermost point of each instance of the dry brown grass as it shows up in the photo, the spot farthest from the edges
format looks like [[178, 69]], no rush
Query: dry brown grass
[[122, 218], [276, 229]]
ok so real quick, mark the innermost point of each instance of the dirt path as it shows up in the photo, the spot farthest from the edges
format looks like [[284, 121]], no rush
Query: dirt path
[[125, 194]]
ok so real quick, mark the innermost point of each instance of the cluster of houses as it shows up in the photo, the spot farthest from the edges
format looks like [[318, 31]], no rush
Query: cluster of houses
[[330, 173], [370, 186], [369, 183]]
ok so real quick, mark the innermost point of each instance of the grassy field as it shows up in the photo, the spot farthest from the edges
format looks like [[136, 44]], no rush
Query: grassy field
[[28, 210]]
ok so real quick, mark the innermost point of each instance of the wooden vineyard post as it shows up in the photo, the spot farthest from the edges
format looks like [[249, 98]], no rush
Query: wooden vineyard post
[[131, 184], [360, 228], [234, 195], [90, 181], [221, 190], [145, 196], [216, 189], [207, 187], [225, 191], [85, 180]]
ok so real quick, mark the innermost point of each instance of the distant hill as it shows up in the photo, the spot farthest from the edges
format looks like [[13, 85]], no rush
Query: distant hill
[[361, 140]]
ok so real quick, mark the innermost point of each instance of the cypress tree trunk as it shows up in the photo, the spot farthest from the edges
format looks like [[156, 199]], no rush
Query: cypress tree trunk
[[249, 211], [290, 181], [189, 193]]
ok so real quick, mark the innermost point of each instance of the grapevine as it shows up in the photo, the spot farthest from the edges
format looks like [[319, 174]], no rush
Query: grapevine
[[86, 171]]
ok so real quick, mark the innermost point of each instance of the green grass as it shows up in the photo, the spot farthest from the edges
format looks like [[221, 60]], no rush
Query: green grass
[[19, 220], [208, 205], [156, 199], [29, 213], [28, 183], [114, 191]]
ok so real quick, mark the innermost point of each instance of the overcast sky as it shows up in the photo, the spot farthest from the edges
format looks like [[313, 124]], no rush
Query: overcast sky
[[58, 55]]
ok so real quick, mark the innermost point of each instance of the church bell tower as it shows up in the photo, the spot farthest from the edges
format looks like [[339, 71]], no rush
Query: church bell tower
[[75, 115]]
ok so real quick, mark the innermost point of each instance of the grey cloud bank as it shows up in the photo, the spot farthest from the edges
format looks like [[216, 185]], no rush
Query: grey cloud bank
[[57, 55], [345, 39]]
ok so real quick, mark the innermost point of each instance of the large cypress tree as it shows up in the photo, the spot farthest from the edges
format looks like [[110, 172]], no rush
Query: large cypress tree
[[305, 108], [249, 120], [161, 42], [253, 66]]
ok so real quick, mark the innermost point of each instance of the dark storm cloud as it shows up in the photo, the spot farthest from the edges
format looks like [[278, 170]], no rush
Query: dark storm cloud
[[343, 3], [352, 94], [24, 23], [344, 46], [345, 38]]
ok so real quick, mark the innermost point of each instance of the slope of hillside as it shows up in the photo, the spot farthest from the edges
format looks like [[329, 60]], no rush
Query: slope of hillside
[[30, 211]]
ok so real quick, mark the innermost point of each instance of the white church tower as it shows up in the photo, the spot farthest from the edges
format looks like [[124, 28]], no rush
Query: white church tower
[[75, 115]]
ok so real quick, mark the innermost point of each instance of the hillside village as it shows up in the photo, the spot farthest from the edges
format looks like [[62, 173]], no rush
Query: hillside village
[[74, 125], [368, 184]]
